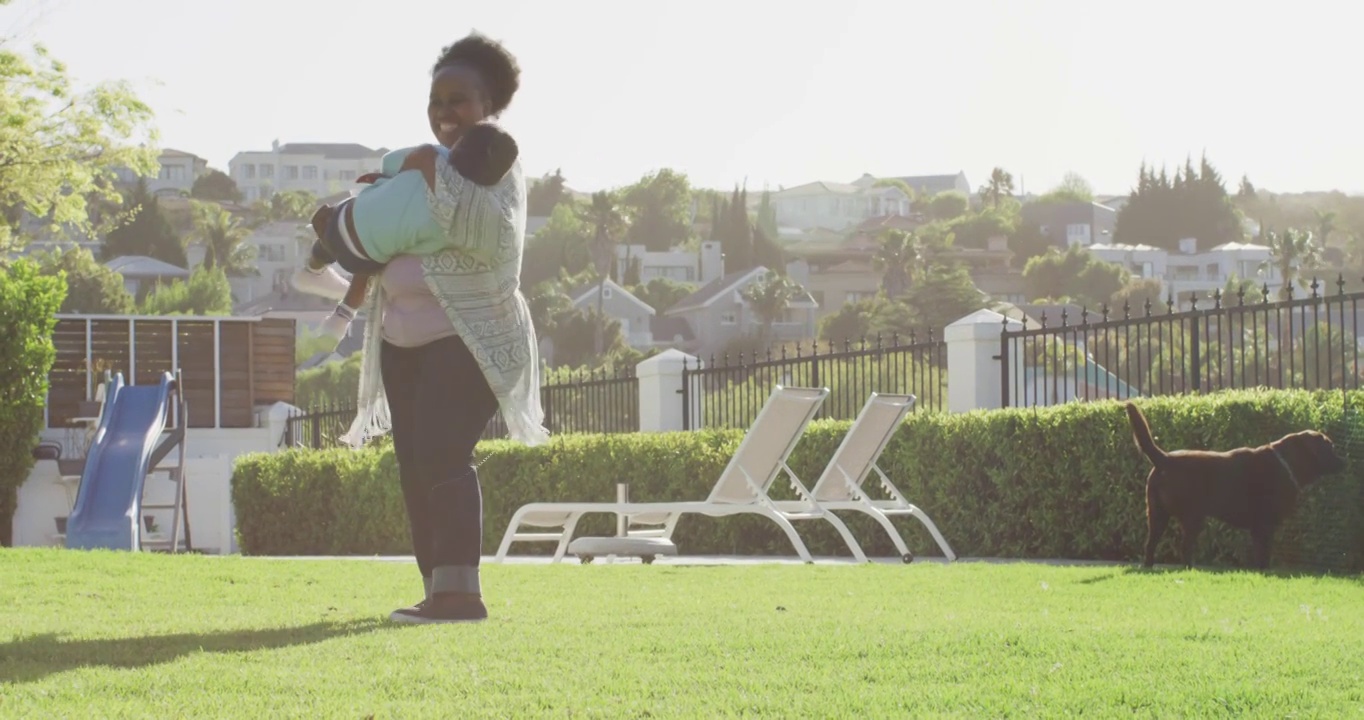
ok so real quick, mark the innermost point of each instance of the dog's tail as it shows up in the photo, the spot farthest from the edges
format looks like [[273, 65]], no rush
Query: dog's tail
[[1141, 432]]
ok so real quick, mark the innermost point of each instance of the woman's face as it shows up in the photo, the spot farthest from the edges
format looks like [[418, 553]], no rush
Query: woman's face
[[457, 103]]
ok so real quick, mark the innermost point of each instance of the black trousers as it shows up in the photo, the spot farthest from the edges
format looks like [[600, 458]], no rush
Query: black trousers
[[440, 405]]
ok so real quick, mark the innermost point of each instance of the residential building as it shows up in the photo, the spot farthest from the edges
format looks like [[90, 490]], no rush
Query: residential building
[[1073, 223], [699, 267], [619, 304], [320, 168], [175, 176], [141, 273], [281, 248], [1190, 271], [836, 206], [926, 186], [718, 314]]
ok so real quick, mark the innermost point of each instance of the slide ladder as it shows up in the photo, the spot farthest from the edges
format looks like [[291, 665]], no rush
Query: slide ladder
[[133, 441]]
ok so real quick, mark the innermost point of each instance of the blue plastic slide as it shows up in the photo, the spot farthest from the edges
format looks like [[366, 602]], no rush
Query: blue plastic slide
[[109, 501]]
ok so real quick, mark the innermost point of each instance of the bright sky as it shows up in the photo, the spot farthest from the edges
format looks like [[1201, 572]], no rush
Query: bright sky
[[780, 92]]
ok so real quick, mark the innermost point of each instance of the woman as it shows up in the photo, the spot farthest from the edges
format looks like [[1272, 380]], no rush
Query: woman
[[453, 342]]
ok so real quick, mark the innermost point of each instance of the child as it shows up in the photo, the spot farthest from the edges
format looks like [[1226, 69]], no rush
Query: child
[[484, 155]]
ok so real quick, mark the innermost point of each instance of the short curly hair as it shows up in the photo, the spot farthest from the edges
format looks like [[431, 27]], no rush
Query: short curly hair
[[496, 66]]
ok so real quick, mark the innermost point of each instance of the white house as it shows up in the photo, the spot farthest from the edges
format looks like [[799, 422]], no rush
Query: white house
[[1190, 271], [320, 168], [700, 267], [836, 206]]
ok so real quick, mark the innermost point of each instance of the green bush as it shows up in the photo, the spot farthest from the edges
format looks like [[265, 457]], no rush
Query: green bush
[[28, 309], [1062, 482]]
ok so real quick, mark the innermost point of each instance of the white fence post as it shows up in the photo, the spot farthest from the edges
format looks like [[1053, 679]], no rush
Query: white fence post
[[660, 390], [973, 382]]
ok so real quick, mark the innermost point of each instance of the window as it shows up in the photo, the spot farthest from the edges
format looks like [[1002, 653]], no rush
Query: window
[[248, 171], [172, 172], [729, 318], [270, 252], [267, 171], [606, 293], [346, 175], [309, 172], [290, 172]]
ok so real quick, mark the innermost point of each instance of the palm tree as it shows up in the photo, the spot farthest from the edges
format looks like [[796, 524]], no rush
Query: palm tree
[[608, 224], [900, 253], [768, 298], [1326, 224], [1000, 186], [1291, 253], [223, 236]]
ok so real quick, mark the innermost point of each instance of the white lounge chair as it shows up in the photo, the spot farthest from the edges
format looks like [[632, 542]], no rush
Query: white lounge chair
[[741, 489], [840, 486]]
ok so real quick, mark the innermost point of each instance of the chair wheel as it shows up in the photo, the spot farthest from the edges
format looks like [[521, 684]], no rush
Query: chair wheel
[[907, 558], [648, 559], [585, 559]]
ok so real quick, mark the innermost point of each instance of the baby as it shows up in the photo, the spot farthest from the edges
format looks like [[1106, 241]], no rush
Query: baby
[[347, 235]]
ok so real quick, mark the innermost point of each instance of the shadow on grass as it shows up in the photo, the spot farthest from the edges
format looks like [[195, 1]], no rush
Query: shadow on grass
[[33, 658], [1285, 573]]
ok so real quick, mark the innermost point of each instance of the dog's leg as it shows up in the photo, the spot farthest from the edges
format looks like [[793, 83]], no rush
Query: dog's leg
[[1192, 525], [1157, 519], [1260, 539]]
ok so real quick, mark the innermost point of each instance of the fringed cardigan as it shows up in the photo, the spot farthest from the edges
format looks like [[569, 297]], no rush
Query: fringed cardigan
[[477, 280]]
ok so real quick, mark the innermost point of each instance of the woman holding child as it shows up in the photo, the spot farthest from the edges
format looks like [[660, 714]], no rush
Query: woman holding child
[[450, 340]]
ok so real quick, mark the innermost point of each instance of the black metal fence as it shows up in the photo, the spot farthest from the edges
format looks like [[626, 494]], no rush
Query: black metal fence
[[574, 402], [1244, 340], [729, 392]]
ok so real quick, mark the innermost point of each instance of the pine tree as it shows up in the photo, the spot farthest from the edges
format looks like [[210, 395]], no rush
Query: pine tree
[[147, 233]]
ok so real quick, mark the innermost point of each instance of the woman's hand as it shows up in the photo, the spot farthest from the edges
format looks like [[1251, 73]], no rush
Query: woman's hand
[[423, 159]]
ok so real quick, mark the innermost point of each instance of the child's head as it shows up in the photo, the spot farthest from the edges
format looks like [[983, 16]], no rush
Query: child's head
[[473, 79]]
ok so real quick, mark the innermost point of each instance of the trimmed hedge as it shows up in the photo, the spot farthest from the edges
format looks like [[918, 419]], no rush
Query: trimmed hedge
[[1060, 482]]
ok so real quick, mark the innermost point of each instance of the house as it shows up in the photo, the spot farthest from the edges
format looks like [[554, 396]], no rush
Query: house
[[281, 248], [307, 310], [700, 267], [634, 315], [320, 168], [926, 186], [1190, 271], [1073, 223], [175, 177], [140, 273], [718, 313], [836, 206]]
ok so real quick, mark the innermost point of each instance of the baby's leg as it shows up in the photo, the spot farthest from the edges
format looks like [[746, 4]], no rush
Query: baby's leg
[[318, 277]]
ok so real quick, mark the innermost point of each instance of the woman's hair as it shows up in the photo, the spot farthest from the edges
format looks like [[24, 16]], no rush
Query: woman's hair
[[496, 66]]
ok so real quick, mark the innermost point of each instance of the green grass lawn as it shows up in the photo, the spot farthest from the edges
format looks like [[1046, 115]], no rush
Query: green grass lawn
[[86, 635]]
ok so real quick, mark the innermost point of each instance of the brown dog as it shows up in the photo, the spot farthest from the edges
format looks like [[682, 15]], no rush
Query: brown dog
[[1251, 489]]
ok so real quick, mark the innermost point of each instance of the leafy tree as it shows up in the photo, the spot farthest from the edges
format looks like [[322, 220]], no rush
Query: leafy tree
[[562, 242], [899, 255], [658, 209], [1027, 242], [148, 233], [1163, 210], [1291, 253], [284, 205], [768, 297], [585, 338], [1073, 188], [948, 205], [767, 217], [662, 293], [608, 227], [944, 295], [224, 239], [1077, 274], [28, 308], [206, 292], [215, 185], [61, 147], [91, 288], [999, 187], [1134, 296], [545, 195], [766, 251]]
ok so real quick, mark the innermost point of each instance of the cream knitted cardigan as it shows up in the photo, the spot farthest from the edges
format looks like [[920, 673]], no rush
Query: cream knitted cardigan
[[477, 281]]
